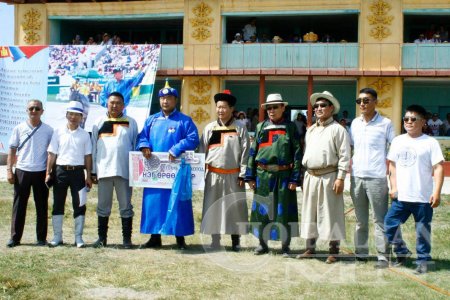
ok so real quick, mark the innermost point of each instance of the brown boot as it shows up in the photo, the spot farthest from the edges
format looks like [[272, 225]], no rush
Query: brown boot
[[334, 251]]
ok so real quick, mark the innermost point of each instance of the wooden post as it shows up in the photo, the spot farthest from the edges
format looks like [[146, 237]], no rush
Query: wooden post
[[262, 96], [310, 92]]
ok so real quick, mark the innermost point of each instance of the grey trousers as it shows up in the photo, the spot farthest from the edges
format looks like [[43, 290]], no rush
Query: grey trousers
[[105, 195], [373, 192]]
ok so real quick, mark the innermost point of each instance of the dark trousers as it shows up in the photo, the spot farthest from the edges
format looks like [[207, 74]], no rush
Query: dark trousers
[[398, 214], [23, 181], [74, 179]]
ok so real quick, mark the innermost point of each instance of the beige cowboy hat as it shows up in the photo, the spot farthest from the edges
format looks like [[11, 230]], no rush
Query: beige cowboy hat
[[326, 95], [274, 99]]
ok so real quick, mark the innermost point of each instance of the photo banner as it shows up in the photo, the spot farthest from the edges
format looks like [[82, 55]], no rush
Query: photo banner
[[88, 74]]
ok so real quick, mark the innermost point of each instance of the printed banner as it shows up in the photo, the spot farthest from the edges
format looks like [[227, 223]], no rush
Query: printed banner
[[23, 76], [159, 172], [59, 74]]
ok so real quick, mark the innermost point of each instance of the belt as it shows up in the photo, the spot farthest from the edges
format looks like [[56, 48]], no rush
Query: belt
[[71, 168], [223, 171], [274, 168], [320, 172]]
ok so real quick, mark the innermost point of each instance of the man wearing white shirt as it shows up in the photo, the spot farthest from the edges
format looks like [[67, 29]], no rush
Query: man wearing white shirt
[[415, 158], [71, 149], [370, 135], [113, 137], [28, 151]]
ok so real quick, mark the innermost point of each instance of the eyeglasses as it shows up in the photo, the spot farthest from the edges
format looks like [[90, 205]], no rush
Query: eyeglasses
[[363, 100], [412, 119], [321, 105], [34, 108], [272, 107]]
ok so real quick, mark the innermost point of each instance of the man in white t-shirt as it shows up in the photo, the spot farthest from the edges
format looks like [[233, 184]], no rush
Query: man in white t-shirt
[[71, 149], [414, 158], [435, 124]]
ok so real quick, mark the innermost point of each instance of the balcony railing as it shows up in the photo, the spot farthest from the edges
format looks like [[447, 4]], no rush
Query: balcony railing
[[171, 57], [348, 56], [310, 56], [426, 56]]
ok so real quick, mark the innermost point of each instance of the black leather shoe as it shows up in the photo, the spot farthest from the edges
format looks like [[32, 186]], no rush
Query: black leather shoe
[[12, 243], [41, 243], [401, 259], [153, 243], [381, 264], [260, 250], [181, 244], [100, 243], [422, 268]]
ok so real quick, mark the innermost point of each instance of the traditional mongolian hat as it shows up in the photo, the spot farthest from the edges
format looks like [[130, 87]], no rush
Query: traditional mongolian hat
[[225, 96], [274, 99], [167, 90], [327, 96]]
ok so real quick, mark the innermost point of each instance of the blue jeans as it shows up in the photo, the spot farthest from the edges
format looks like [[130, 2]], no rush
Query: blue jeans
[[398, 214]]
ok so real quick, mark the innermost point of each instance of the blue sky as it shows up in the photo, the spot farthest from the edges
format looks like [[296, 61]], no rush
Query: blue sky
[[7, 27]]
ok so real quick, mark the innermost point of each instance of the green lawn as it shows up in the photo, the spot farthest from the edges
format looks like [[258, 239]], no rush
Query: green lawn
[[30, 272]]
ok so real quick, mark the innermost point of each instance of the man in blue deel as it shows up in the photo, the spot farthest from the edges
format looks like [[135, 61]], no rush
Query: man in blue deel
[[166, 131]]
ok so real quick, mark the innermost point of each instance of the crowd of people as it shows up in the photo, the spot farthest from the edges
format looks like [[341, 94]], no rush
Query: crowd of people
[[433, 35], [249, 34], [273, 165]]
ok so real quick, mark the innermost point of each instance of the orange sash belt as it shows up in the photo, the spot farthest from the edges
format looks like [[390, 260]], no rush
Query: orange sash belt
[[223, 171]]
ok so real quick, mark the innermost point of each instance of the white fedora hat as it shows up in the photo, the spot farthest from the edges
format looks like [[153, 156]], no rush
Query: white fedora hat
[[274, 99], [75, 106], [328, 96]]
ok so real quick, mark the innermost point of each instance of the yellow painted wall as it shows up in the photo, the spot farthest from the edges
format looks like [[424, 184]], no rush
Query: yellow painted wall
[[202, 35], [383, 53], [198, 98], [390, 95], [286, 5], [115, 8], [423, 4]]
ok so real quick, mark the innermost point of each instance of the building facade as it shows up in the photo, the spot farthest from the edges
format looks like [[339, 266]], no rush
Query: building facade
[[371, 44]]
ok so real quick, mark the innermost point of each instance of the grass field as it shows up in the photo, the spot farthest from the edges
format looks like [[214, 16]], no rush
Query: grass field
[[30, 272]]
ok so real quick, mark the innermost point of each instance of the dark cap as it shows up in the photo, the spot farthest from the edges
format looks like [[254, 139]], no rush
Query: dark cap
[[225, 96], [116, 70]]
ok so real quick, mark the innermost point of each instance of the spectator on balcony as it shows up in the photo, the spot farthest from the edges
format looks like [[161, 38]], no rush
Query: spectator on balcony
[[106, 40], [265, 39], [77, 40], [249, 30], [443, 32], [237, 39], [435, 124], [276, 39], [436, 39], [327, 38], [91, 41], [421, 39]]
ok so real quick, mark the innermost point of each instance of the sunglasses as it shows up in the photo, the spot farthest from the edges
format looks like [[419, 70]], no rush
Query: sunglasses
[[412, 119], [272, 107], [321, 105], [363, 100], [34, 108]]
